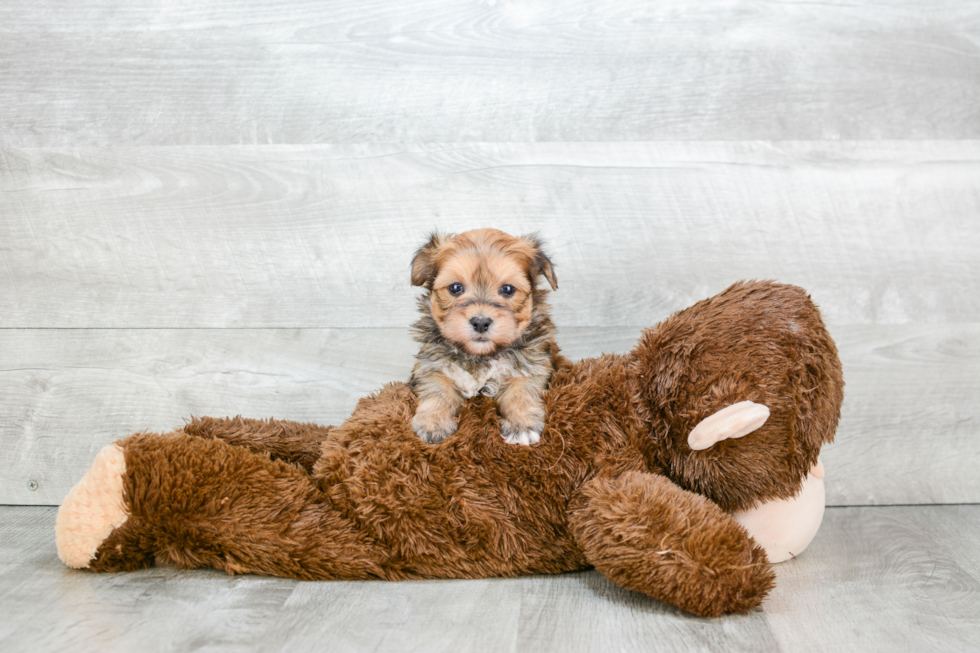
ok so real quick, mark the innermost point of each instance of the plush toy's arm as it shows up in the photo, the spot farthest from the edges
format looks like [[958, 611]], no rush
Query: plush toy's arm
[[647, 534], [291, 442]]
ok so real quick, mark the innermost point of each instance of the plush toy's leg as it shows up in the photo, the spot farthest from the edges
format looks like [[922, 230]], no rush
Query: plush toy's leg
[[649, 535], [192, 502], [292, 442], [785, 527]]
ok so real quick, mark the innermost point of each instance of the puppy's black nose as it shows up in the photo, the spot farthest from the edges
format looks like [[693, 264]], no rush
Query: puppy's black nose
[[481, 324]]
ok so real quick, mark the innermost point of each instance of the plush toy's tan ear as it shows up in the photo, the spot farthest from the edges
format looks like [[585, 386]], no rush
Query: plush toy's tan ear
[[424, 263], [541, 263]]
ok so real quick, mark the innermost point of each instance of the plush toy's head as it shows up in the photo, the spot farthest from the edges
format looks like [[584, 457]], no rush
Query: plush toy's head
[[482, 286]]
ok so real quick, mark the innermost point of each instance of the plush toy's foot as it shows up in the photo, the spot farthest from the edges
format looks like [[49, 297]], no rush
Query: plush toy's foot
[[735, 421], [787, 526], [92, 510]]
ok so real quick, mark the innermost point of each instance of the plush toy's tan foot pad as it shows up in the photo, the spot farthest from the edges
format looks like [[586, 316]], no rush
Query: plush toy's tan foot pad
[[92, 510], [734, 421]]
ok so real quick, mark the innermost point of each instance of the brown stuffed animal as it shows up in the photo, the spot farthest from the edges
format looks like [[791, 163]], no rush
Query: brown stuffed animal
[[720, 409]]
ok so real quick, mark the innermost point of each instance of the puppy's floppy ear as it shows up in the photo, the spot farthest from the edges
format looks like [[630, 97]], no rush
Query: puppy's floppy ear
[[541, 264], [424, 264]]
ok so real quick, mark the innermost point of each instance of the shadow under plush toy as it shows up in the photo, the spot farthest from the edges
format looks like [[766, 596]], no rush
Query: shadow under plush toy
[[648, 468]]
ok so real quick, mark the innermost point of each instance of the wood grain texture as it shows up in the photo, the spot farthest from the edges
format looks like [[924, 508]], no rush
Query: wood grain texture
[[910, 424], [69, 393], [97, 72], [907, 433], [202, 212], [298, 236], [874, 579], [883, 579]]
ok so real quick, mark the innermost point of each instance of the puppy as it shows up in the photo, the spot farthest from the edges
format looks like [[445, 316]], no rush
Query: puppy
[[485, 329]]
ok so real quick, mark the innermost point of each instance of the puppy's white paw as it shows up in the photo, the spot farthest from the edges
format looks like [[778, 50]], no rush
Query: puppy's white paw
[[432, 429], [513, 435]]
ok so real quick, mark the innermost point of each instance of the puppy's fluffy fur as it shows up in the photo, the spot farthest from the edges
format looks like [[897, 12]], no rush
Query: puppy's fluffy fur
[[485, 329]]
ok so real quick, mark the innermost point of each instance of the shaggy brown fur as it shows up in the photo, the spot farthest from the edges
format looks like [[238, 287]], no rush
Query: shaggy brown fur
[[612, 483], [484, 329], [646, 534]]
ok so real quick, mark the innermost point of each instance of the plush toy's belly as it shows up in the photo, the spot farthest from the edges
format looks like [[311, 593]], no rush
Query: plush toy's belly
[[472, 506]]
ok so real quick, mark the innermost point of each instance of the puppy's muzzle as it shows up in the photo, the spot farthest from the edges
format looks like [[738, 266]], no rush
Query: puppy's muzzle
[[480, 323]]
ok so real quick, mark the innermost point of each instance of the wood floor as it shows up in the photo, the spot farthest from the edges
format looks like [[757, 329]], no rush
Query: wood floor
[[875, 579]]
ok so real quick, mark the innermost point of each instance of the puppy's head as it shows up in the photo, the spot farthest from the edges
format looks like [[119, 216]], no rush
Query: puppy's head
[[482, 286]]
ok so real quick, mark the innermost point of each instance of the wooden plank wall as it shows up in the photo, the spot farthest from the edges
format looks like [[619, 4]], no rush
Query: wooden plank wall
[[209, 207]]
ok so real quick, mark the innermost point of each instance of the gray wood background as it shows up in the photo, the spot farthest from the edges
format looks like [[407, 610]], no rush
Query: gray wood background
[[210, 207]]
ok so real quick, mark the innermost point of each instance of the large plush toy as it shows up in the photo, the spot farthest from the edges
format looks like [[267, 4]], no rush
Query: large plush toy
[[647, 465]]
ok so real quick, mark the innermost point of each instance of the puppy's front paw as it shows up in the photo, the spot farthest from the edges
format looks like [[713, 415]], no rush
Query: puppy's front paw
[[514, 434], [433, 426]]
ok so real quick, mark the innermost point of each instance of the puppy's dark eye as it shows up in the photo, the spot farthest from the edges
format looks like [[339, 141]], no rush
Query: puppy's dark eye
[[455, 289], [507, 290]]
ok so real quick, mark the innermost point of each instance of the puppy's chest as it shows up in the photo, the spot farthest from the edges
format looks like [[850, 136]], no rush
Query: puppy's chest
[[485, 380]]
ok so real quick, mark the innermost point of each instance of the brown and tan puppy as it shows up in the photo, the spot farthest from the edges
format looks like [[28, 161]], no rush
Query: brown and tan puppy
[[484, 330]]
